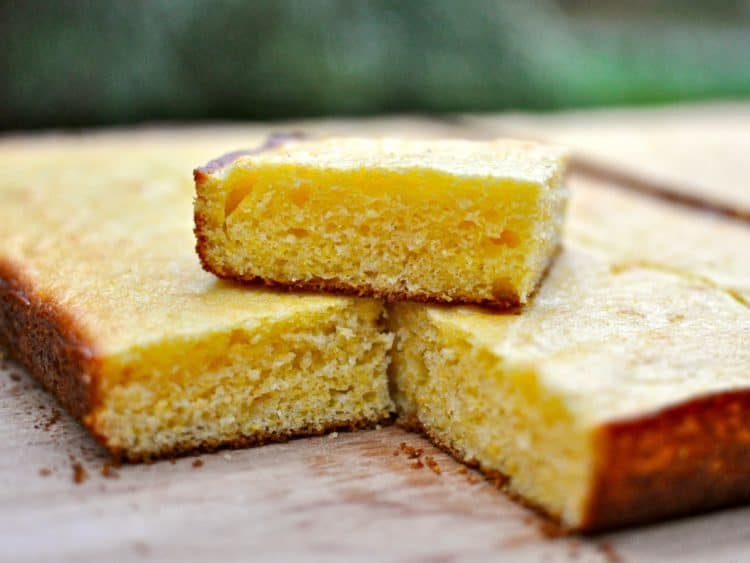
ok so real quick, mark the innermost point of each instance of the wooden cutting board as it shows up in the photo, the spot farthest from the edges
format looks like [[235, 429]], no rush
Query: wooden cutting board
[[346, 497]]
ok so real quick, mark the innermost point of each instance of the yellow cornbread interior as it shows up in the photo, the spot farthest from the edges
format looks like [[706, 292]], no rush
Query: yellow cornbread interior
[[608, 338], [101, 228], [384, 215], [489, 411], [303, 374]]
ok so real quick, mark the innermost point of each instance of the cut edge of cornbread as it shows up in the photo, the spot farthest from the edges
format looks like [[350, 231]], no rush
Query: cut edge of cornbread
[[598, 476], [269, 381], [428, 357], [222, 196]]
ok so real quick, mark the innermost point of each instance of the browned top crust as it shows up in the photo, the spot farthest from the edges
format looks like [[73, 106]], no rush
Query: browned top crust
[[686, 459], [274, 140]]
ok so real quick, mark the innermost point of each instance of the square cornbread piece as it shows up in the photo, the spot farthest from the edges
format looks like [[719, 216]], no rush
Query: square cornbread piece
[[620, 395], [435, 221], [103, 300]]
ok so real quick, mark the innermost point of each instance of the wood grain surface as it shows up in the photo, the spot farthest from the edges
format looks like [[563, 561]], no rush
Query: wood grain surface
[[345, 497]]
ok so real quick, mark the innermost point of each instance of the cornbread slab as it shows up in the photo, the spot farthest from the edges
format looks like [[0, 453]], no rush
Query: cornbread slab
[[435, 221], [621, 394], [103, 300]]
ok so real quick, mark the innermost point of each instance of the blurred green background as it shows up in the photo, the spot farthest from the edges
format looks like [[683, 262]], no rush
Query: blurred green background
[[79, 63]]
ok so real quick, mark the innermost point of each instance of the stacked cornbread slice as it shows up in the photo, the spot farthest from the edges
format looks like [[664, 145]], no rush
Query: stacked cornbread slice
[[436, 221], [103, 299]]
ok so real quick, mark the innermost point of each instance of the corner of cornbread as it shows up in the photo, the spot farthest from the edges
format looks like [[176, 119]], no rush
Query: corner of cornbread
[[102, 298], [303, 371], [441, 221], [620, 395]]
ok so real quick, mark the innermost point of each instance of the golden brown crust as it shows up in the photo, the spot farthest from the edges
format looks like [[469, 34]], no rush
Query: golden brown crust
[[687, 459], [45, 339]]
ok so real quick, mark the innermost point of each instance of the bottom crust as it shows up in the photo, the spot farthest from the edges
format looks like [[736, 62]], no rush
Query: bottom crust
[[686, 459], [257, 439], [509, 302]]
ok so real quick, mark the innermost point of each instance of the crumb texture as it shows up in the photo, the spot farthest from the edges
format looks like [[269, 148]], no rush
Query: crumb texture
[[271, 379], [531, 395], [488, 413], [441, 220]]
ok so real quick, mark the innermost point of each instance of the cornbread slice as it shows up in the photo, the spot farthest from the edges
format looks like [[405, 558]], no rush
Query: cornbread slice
[[439, 221], [102, 298], [621, 394]]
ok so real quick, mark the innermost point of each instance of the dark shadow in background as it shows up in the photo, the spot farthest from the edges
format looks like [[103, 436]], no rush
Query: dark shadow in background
[[76, 63]]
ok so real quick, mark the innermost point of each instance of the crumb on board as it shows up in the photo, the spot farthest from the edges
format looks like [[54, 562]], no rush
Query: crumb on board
[[333, 435], [15, 376], [79, 473], [432, 464], [108, 471], [463, 470], [549, 529], [45, 472], [198, 463], [227, 456], [472, 479], [417, 464], [410, 451]]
